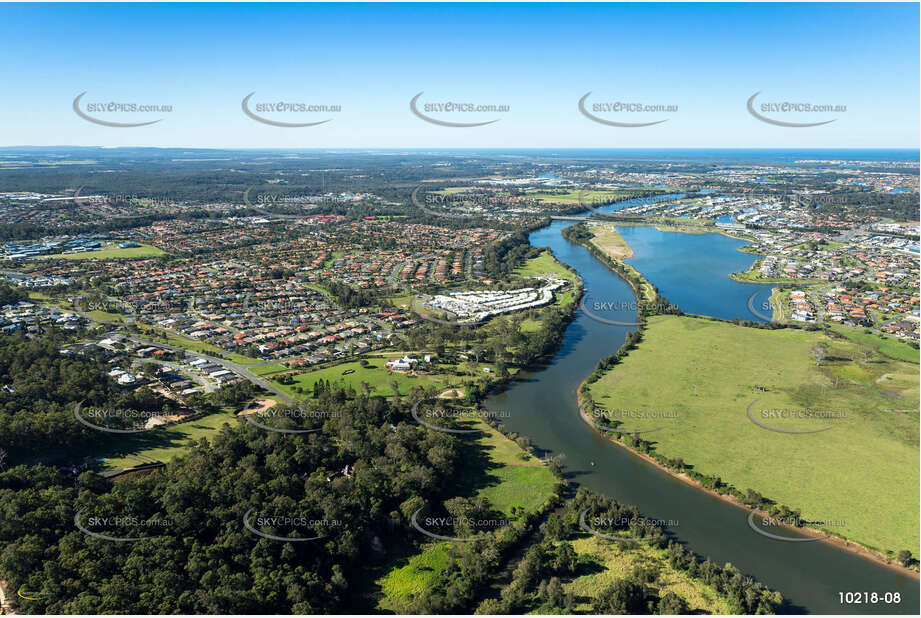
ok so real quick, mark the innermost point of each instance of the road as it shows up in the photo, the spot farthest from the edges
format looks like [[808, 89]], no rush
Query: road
[[226, 364], [205, 384]]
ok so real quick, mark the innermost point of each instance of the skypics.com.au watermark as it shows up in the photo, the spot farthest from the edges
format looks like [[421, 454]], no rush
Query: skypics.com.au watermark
[[781, 113], [620, 413], [611, 526], [613, 113], [421, 412], [296, 414], [608, 311], [295, 527], [85, 303], [769, 418], [475, 524], [120, 528], [439, 112], [115, 420], [286, 109], [465, 205], [600, 418], [114, 109], [767, 310], [119, 198], [774, 527]]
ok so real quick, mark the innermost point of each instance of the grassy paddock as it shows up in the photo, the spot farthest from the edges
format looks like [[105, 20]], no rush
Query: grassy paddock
[[888, 346], [707, 373], [168, 441], [616, 561], [609, 240]]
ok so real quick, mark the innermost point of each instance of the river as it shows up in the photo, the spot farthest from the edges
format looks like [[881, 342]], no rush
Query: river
[[542, 406]]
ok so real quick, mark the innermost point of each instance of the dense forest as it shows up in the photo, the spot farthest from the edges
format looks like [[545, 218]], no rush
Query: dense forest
[[201, 558]]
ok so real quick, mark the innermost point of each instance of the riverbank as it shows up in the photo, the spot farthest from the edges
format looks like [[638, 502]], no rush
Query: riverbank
[[830, 539], [850, 545]]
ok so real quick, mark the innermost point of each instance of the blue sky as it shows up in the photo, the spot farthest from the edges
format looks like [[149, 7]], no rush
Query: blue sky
[[538, 59]]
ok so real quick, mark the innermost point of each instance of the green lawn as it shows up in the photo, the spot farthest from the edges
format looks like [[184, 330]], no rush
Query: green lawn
[[166, 442], [376, 375], [105, 316], [264, 370], [505, 474], [889, 346], [545, 264], [144, 251], [706, 372], [571, 196], [780, 304], [609, 241]]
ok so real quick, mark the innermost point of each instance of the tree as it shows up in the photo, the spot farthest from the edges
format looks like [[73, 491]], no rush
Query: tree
[[566, 559], [554, 592], [624, 596], [904, 557], [671, 604]]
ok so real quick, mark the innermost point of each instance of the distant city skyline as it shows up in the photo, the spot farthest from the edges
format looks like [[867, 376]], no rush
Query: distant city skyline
[[698, 65]]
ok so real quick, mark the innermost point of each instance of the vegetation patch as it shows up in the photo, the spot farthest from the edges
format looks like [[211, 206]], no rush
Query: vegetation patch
[[707, 374]]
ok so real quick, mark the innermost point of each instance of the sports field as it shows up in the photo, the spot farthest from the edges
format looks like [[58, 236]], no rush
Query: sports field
[[114, 252]]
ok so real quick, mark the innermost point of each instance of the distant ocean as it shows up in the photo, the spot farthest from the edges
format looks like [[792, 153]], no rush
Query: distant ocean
[[734, 155], [715, 154]]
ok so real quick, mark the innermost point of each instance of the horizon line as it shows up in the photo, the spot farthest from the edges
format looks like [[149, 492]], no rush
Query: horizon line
[[498, 149]]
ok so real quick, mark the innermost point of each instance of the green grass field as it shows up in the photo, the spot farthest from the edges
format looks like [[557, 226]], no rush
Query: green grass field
[[264, 370], [571, 196], [609, 240], [166, 442], [888, 346], [144, 251], [706, 373], [376, 375], [780, 304], [545, 264], [105, 316], [617, 561], [414, 575], [506, 475]]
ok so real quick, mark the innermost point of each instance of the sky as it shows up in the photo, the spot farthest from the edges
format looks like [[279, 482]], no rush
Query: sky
[[701, 61]]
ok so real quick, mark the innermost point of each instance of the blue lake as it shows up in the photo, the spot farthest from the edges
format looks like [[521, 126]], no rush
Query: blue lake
[[692, 272]]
